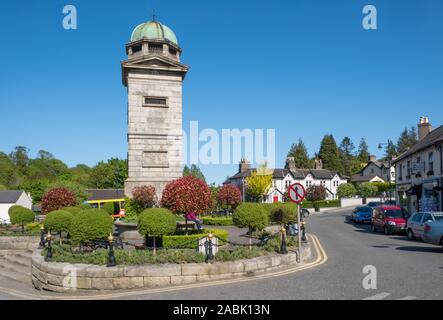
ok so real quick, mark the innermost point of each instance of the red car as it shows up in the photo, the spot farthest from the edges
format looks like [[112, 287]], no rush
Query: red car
[[389, 219]]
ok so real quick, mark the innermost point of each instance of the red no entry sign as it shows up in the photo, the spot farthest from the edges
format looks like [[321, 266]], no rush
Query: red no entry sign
[[297, 193]]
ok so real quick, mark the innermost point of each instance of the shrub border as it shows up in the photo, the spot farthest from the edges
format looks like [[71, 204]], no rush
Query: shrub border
[[56, 277]]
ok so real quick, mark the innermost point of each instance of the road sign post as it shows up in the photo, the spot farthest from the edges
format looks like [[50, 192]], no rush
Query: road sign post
[[297, 194]]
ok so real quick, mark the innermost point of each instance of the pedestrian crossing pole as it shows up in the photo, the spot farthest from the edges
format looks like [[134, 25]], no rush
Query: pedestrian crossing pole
[[299, 232], [297, 194]]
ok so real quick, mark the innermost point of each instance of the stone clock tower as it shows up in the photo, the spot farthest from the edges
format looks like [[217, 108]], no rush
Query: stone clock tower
[[153, 75]]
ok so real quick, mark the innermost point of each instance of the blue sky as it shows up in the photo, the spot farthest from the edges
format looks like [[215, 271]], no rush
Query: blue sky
[[304, 68]]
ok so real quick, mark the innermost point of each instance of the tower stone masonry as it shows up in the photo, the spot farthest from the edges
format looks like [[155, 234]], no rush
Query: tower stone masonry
[[153, 76]]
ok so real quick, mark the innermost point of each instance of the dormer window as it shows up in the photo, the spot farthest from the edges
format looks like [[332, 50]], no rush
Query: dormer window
[[137, 48], [172, 52], [155, 48]]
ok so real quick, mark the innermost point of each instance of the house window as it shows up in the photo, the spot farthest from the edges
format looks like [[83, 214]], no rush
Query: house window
[[159, 102], [431, 163], [408, 166], [372, 170]]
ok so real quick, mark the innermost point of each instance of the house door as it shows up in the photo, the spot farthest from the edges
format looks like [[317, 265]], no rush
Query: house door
[[275, 199]]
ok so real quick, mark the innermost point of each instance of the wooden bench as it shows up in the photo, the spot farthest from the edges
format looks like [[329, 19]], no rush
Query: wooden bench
[[185, 225]]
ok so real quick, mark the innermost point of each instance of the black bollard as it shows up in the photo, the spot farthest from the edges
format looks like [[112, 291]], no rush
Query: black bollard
[[49, 252], [283, 248], [42, 237], [303, 228], [208, 247], [111, 257]]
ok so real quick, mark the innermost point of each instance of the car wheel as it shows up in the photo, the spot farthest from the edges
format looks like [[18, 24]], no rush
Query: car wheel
[[386, 230], [411, 235]]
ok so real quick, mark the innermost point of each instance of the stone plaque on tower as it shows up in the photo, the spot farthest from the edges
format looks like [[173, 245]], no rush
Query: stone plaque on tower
[[153, 76]]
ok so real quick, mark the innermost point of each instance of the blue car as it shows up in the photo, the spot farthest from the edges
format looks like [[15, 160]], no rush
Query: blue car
[[362, 214]]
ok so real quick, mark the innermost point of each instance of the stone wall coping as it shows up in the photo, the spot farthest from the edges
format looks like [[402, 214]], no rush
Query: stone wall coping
[[19, 243], [55, 276]]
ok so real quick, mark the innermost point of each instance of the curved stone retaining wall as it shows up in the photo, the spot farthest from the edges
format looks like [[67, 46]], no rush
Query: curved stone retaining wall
[[17, 244], [62, 277]]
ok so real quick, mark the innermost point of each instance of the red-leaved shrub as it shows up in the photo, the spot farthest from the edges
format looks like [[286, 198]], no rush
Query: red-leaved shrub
[[144, 196], [58, 198], [229, 196], [187, 194], [316, 193]]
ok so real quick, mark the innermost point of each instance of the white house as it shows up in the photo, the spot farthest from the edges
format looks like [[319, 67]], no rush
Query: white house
[[8, 198], [283, 178], [419, 180], [375, 171]]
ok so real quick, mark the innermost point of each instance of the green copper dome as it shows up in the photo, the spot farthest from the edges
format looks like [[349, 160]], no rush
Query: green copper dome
[[153, 30]]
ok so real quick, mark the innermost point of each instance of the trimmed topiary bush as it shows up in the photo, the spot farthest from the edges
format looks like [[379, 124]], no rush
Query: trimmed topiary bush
[[90, 225], [144, 196], [57, 198], [187, 194], [73, 210], [229, 196], [217, 221], [284, 214], [58, 221], [156, 222], [251, 215], [21, 216]]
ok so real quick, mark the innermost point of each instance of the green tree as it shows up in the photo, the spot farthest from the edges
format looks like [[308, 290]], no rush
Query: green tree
[[351, 164], [346, 190], [259, 182], [110, 174], [300, 154], [8, 174], [390, 150], [81, 174], [366, 190], [363, 151], [20, 158], [194, 171], [406, 140], [329, 154]]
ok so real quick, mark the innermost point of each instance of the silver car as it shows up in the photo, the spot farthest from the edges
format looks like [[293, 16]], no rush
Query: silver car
[[434, 233], [416, 223]]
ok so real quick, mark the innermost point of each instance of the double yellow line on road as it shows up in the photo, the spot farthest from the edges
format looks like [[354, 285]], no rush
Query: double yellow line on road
[[321, 258]]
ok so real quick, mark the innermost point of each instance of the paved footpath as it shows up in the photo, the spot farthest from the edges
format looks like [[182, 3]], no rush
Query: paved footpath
[[405, 269]]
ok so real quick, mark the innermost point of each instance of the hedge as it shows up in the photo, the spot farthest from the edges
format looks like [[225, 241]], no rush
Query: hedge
[[322, 204], [90, 225], [58, 221], [190, 241], [284, 214], [217, 221]]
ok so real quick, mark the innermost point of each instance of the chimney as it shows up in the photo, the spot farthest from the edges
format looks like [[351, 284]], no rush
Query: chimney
[[244, 165], [290, 164], [372, 158], [318, 164], [424, 128]]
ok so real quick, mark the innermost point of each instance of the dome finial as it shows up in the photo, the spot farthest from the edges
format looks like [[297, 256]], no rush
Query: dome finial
[[154, 17]]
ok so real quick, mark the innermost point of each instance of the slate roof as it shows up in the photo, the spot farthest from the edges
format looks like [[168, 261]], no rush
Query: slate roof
[[432, 138], [10, 196], [360, 178], [105, 194], [297, 174]]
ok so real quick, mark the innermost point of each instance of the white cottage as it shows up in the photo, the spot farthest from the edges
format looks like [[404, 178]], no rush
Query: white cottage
[[283, 178], [8, 198]]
